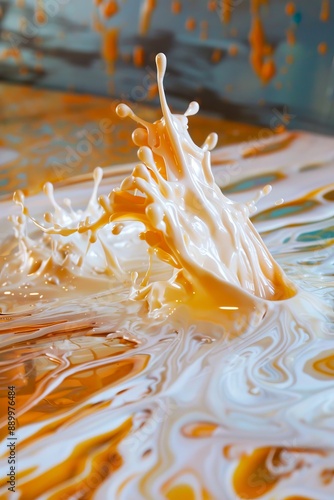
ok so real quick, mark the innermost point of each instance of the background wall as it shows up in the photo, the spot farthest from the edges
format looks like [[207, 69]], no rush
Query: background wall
[[267, 61]]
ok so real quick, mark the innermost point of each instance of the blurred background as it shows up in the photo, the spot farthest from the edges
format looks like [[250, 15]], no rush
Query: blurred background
[[263, 62], [237, 57]]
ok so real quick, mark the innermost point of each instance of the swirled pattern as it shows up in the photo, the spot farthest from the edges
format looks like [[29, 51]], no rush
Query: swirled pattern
[[114, 404]]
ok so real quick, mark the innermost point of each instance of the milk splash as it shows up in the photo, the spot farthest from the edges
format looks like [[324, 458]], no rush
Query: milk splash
[[221, 268]]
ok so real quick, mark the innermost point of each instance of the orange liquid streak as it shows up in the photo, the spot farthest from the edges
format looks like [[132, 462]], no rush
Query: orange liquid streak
[[325, 366], [66, 404], [182, 490], [74, 465], [110, 9], [226, 12], [290, 9], [265, 149], [110, 48], [263, 67], [176, 7], [200, 430], [212, 5], [103, 464], [233, 50], [190, 24], [146, 16], [40, 14], [329, 196], [77, 388], [257, 43], [291, 36], [252, 478], [297, 498], [327, 476], [322, 48], [139, 56], [152, 91], [216, 56], [268, 71], [325, 11]]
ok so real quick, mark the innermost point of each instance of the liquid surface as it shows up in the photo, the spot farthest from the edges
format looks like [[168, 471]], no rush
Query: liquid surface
[[184, 402]]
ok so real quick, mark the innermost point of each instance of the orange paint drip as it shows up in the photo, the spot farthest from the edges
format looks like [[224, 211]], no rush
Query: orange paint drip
[[139, 56], [146, 16], [233, 50], [98, 2], [110, 9], [216, 56], [322, 48], [256, 61], [226, 12], [176, 7], [291, 36], [20, 4], [325, 11], [257, 43], [263, 66], [152, 91], [290, 9], [256, 35], [40, 16], [190, 24], [109, 48], [212, 5]]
